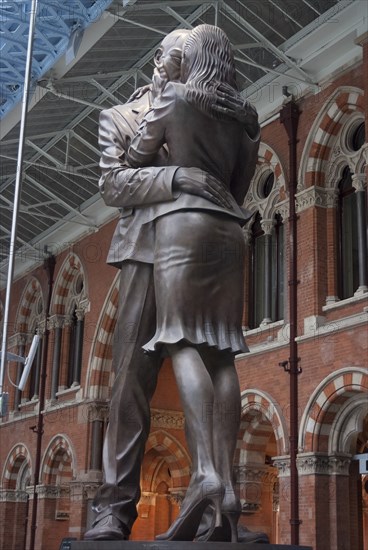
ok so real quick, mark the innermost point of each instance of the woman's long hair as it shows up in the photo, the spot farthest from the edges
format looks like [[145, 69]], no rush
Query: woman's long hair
[[210, 62]]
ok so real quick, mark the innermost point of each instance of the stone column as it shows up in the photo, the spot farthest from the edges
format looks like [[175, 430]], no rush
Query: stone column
[[64, 361], [247, 232], [13, 517], [38, 365], [267, 226], [359, 185], [81, 516], [282, 463], [324, 486], [56, 325], [255, 484], [78, 348], [22, 339]]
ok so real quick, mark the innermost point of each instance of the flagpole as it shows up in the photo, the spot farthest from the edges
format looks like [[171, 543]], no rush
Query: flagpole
[[18, 189]]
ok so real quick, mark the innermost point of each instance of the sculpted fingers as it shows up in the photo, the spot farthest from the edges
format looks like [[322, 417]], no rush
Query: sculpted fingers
[[217, 191]]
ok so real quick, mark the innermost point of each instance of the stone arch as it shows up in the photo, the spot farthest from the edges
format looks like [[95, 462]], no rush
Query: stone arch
[[63, 289], [326, 406], [27, 306], [14, 462], [59, 461], [99, 376], [341, 104], [261, 416], [166, 448], [347, 424]]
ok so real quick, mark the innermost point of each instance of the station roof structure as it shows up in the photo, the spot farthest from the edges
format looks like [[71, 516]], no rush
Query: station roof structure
[[92, 54]]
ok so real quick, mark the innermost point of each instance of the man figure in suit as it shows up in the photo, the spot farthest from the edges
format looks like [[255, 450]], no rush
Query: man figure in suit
[[136, 192]]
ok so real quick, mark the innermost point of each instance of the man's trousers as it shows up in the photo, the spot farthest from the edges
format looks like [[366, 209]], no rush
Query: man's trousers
[[135, 382]]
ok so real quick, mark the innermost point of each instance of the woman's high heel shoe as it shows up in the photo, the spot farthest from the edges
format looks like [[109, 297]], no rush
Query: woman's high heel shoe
[[198, 497], [228, 531]]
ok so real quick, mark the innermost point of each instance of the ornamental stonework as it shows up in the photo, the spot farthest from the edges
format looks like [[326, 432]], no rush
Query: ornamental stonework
[[8, 495], [167, 419], [316, 196], [322, 464]]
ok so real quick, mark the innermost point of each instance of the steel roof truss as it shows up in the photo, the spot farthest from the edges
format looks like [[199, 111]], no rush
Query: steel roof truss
[[170, 11], [43, 153], [59, 200], [233, 16], [136, 24]]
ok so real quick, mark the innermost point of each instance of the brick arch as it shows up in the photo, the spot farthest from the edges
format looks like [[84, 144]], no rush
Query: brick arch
[[59, 461], [163, 446], [321, 411], [13, 463], [99, 375], [70, 269], [26, 305], [266, 155], [261, 417], [342, 103], [267, 159]]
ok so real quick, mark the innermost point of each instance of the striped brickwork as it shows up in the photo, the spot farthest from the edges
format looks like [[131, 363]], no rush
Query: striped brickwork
[[58, 462], [100, 376], [324, 405], [163, 446], [262, 418], [342, 104], [13, 463]]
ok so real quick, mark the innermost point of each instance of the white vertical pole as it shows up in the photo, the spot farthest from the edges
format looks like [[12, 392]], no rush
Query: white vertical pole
[[18, 188]]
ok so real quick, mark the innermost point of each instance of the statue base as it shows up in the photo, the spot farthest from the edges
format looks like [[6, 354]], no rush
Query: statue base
[[178, 545]]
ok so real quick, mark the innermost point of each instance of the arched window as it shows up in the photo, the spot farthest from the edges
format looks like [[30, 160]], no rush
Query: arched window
[[348, 249]]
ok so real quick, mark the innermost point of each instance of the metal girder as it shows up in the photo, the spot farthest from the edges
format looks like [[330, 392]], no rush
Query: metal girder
[[102, 89], [117, 84], [175, 3], [285, 13], [33, 137], [86, 143], [43, 153], [267, 70], [233, 16], [176, 16], [136, 24], [60, 201], [61, 168], [256, 16], [50, 88], [311, 7], [19, 239]]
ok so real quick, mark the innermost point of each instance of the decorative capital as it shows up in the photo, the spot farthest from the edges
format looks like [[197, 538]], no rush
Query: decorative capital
[[267, 226], [323, 464], [148, 498], [359, 182], [167, 419], [56, 321], [52, 491], [316, 196], [8, 495], [177, 496], [83, 491], [282, 463]]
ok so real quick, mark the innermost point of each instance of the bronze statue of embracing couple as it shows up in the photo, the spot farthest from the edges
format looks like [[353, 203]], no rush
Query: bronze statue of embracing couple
[[178, 159]]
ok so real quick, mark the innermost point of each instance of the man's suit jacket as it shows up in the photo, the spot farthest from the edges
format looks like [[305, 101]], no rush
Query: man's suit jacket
[[134, 191], [144, 194]]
